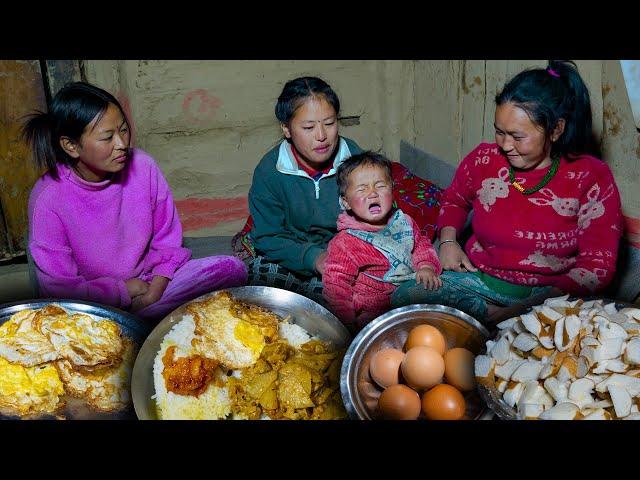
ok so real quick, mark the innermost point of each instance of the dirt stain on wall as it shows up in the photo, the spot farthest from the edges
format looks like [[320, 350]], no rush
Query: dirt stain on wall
[[612, 121], [466, 88]]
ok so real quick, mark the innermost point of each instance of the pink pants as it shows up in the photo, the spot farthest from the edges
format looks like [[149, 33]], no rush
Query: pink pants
[[195, 278]]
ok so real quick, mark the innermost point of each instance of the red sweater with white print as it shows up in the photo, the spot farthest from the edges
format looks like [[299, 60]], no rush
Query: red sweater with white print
[[565, 235], [353, 296]]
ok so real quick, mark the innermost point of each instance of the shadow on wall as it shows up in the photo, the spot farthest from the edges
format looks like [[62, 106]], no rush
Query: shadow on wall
[[426, 165]]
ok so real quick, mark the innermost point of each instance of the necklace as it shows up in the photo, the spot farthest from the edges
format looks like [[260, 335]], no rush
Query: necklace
[[547, 178]]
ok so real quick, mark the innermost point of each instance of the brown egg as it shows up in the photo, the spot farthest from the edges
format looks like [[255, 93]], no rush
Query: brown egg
[[458, 369], [385, 366], [427, 336], [399, 402], [422, 367], [443, 402]]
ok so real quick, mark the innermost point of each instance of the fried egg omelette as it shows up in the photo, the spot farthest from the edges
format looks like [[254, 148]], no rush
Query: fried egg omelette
[[105, 388], [21, 343], [29, 390], [230, 332], [83, 340]]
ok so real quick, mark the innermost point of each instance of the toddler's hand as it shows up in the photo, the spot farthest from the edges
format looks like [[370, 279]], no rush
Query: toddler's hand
[[428, 277]]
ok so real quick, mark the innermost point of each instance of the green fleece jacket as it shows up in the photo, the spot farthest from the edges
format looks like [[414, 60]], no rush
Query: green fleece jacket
[[294, 216]]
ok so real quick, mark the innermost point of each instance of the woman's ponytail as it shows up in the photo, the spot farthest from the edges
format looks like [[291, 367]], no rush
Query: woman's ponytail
[[578, 136], [38, 133]]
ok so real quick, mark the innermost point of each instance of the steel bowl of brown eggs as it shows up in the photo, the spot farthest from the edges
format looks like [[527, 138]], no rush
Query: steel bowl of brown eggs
[[414, 363]]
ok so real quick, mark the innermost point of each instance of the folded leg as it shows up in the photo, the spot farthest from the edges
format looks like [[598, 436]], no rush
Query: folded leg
[[195, 278]]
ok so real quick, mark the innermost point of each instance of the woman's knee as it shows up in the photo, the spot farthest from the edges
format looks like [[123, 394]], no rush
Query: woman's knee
[[236, 268], [227, 268]]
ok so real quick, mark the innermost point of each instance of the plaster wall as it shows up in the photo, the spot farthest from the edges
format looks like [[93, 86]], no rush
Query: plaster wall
[[208, 123]]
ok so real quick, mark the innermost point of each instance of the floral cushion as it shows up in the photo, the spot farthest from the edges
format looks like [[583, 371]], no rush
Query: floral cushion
[[417, 197]]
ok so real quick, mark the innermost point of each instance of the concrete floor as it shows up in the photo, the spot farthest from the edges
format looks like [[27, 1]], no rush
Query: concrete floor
[[14, 283]]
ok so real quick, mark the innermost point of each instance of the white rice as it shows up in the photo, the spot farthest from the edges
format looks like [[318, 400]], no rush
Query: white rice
[[294, 334], [213, 404]]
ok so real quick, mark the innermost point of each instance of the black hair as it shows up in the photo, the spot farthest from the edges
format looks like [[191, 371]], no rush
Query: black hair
[[72, 109], [296, 91], [549, 94], [368, 158]]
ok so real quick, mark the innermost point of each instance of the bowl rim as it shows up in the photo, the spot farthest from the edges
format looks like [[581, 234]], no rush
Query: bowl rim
[[138, 327], [348, 366]]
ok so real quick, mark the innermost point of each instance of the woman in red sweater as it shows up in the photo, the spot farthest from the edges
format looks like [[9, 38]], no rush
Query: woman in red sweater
[[546, 213], [377, 247]]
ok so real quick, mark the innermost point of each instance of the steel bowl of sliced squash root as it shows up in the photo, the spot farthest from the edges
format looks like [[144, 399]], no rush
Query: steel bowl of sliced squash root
[[566, 359]]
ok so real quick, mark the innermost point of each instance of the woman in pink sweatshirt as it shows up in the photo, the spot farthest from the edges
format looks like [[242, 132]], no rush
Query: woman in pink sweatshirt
[[377, 247], [102, 223]]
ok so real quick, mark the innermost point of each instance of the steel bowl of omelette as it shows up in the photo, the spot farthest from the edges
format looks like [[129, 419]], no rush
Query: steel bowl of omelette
[[243, 353], [66, 359]]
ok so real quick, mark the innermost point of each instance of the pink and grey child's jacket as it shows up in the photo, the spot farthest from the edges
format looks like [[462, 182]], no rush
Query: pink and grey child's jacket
[[357, 281]]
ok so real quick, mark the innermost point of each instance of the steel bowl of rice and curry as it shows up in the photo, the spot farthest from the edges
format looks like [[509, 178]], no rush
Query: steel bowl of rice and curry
[[253, 352]]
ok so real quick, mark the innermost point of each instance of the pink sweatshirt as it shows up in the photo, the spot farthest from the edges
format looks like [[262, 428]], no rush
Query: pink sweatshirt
[[565, 235], [88, 238], [353, 296]]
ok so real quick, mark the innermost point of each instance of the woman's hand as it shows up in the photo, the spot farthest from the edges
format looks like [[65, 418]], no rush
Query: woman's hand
[[428, 277], [136, 287], [156, 288], [452, 257], [321, 261]]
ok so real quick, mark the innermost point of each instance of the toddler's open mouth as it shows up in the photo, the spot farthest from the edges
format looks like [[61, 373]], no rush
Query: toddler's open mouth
[[375, 208]]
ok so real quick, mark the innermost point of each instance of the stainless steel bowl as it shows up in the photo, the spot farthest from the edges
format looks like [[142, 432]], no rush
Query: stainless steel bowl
[[359, 392], [311, 316], [493, 398], [130, 325]]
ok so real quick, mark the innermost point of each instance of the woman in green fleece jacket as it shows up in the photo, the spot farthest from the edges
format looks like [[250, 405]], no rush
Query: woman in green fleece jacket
[[293, 199]]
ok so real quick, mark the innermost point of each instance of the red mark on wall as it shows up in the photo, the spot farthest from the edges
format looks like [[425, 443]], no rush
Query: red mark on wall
[[197, 213], [126, 106], [632, 230], [199, 107]]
